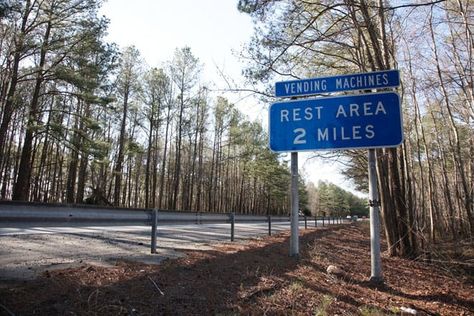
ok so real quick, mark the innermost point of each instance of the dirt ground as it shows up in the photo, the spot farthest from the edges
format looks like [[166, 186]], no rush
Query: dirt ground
[[255, 277]]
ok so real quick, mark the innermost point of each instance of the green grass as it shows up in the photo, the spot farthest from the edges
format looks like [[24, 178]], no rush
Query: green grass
[[322, 309]]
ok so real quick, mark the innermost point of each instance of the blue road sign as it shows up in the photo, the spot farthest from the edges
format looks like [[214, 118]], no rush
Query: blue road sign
[[360, 81], [344, 122]]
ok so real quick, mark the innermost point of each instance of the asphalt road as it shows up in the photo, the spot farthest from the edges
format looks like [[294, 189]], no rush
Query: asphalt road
[[28, 249]]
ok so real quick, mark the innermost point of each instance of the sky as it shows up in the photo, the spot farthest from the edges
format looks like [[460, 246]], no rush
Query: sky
[[216, 32]]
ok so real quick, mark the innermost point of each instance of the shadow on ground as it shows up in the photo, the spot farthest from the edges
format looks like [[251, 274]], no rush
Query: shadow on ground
[[256, 277]]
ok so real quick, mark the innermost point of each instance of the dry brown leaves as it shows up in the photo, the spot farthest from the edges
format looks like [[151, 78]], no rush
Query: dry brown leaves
[[255, 277]]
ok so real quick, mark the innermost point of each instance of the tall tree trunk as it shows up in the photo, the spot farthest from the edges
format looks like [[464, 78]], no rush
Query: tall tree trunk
[[383, 56], [41, 172], [22, 185], [8, 109], [121, 150], [387, 211], [138, 165], [74, 161], [177, 163], [163, 162], [149, 152], [200, 171], [81, 181], [7, 175]]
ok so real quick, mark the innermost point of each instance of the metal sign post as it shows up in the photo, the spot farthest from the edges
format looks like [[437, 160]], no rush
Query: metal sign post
[[294, 242], [374, 203]]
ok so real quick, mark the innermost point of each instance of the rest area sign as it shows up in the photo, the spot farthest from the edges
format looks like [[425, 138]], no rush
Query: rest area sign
[[343, 122]]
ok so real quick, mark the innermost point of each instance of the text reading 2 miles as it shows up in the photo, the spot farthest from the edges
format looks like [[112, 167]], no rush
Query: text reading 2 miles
[[300, 135]]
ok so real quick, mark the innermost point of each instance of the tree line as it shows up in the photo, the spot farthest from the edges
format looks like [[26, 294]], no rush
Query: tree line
[[427, 184], [83, 121], [328, 199]]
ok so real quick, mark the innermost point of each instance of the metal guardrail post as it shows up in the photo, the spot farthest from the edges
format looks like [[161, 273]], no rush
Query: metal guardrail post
[[269, 225], [323, 221], [198, 218], [305, 222], [232, 226], [315, 221], [154, 226]]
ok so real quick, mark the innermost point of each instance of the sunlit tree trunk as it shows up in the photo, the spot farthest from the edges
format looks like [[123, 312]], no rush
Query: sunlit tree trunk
[[22, 184]]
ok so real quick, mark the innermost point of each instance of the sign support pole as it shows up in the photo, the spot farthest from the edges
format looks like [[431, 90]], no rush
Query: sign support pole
[[294, 242], [374, 203]]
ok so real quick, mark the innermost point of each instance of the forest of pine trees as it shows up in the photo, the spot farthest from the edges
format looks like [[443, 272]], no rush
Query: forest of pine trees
[[85, 122], [328, 199]]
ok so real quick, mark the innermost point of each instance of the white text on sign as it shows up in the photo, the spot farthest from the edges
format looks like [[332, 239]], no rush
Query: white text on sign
[[335, 133], [358, 121]]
